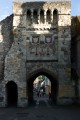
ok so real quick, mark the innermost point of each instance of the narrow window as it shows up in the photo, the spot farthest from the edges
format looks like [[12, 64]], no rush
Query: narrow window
[[42, 16], [29, 17], [35, 16], [48, 17], [55, 17]]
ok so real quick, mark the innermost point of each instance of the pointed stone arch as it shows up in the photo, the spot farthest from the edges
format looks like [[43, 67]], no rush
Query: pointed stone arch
[[52, 77]]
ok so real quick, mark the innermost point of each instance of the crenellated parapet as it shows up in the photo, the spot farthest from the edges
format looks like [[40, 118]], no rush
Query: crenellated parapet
[[42, 12]]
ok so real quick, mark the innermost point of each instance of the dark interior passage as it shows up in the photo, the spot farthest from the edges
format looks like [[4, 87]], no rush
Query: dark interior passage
[[52, 79], [12, 94]]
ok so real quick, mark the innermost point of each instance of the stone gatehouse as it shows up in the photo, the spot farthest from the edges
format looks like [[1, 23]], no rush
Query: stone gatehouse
[[35, 41]]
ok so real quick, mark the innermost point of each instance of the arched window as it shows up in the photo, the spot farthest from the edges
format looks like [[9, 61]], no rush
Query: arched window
[[42, 16], [48, 16], [35, 16], [55, 17], [28, 16]]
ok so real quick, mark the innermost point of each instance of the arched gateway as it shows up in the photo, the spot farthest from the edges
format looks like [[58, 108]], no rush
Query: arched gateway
[[51, 77], [41, 45]]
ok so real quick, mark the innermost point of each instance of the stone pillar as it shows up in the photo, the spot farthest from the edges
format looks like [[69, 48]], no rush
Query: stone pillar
[[3, 95], [51, 16], [39, 16], [31, 15], [22, 97], [45, 16], [66, 89]]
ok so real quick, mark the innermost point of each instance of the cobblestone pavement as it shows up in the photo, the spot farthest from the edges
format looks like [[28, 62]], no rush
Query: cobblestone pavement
[[42, 110]]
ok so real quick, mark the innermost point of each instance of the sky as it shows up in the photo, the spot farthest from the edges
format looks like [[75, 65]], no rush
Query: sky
[[6, 7]]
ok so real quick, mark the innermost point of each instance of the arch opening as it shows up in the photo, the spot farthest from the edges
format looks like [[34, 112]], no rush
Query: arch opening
[[41, 87], [48, 17], [42, 16], [12, 93], [55, 17], [53, 90], [29, 16], [35, 17]]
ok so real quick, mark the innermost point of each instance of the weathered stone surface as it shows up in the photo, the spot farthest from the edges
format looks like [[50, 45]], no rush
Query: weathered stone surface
[[6, 40], [75, 50], [31, 49]]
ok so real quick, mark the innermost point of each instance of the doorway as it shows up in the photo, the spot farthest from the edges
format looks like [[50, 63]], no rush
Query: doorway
[[41, 87], [12, 93]]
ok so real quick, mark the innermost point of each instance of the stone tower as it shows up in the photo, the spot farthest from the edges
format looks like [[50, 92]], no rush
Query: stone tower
[[41, 46]]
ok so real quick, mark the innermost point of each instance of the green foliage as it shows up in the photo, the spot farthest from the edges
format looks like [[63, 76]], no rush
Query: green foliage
[[41, 77]]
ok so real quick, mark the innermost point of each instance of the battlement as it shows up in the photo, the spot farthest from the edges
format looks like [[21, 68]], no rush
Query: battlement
[[64, 7], [43, 12]]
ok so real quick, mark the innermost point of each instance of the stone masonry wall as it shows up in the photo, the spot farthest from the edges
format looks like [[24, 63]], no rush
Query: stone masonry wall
[[75, 47], [62, 43], [6, 40], [16, 65]]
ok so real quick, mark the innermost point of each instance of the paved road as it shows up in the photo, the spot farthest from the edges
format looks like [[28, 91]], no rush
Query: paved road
[[42, 110]]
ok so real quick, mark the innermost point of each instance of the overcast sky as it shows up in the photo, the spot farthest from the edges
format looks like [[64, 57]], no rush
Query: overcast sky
[[6, 7]]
